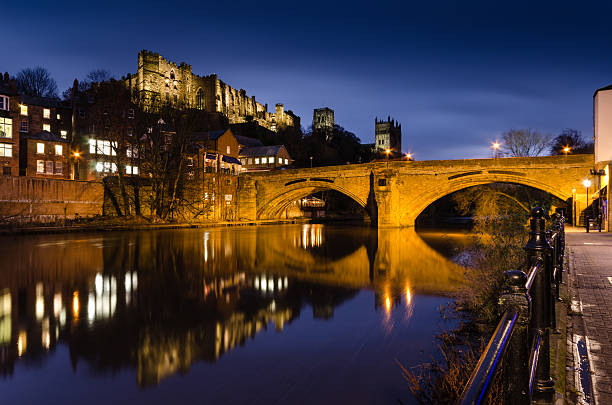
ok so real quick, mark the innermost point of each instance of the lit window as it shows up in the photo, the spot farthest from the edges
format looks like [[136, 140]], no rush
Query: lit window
[[286, 161], [92, 146], [58, 149], [279, 161], [107, 167], [23, 109], [243, 161], [24, 126], [135, 170], [131, 113], [49, 164], [47, 127], [6, 128], [256, 161], [6, 149], [264, 160], [59, 117], [46, 113], [113, 167], [227, 149], [4, 103], [64, 133], [128, 169], [99, 167], [58, 167], [40, 148], [40, 166]]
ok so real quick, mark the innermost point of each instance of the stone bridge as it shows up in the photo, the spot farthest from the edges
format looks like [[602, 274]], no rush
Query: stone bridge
[[395, 193]]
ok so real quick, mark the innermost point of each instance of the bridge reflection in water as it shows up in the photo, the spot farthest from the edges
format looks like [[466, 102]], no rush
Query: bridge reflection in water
[[160, 301]]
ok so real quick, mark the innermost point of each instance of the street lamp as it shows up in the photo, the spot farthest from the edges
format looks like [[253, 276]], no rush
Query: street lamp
[[311, 162], [566, 150], [409, 156], [76, 155], [387, 152], [496, 146], [587, 184]]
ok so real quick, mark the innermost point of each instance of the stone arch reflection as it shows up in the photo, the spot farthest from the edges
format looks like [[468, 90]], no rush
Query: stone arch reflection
[[159, 301]]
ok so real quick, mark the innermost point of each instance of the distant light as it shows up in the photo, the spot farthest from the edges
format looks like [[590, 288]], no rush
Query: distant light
[[76, 154], [567, 149], [388, 151], [409, 155], [388, 304], [496, 145]]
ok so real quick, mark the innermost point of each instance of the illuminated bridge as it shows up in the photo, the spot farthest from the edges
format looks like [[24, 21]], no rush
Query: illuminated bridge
[[395, 193]]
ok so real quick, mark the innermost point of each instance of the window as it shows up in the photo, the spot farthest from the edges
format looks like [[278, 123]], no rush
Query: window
[[64, 133], [46, 113], [101, 147], [200, 99], [256, 161], [131, 151], [47, 127], [264, 160], [6, 149], [23, 109], [6, 128], [131, 113], [58, 149], [58, 167], [40, 166], [49, 166], [59, 117], [40, 147], [131, 169], [4, 103], [23, 126], [250, 161], [99, 167], [228, 149], [6, 170], [189, 161], [279, 161], [243, 161], [286, 161]]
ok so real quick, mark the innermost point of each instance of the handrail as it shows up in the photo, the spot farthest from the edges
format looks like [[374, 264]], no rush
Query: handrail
[[534, 355], [529, 304], [533, 271], [480, 381]]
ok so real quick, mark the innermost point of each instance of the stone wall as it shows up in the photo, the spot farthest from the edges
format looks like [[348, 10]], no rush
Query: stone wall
[[25, 199]]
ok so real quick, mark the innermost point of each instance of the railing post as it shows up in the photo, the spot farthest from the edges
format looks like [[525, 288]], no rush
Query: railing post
[[561, 245], [538, 248], [516, 363]]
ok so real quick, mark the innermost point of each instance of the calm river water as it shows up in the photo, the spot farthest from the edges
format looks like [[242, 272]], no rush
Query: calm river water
[[274, 314]]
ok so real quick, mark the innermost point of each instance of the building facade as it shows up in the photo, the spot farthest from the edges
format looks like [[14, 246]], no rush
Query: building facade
[[323, 121], [388, 135], [164, 80], [44, 155], [9, 127], [261, 158]]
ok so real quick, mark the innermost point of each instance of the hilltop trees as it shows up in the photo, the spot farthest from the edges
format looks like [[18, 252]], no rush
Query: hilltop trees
[[36, 82]]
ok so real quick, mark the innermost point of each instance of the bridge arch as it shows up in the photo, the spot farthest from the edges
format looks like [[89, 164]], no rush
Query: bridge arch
[[433, 194], [278, 202]]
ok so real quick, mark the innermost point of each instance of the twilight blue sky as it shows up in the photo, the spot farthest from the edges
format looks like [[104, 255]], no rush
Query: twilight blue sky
[[454, 74]]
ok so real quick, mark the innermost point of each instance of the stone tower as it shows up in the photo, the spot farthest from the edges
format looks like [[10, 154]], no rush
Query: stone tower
[[323, 121], [388, 135]]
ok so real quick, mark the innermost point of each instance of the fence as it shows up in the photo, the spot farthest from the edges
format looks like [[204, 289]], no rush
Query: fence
[[520, 346]]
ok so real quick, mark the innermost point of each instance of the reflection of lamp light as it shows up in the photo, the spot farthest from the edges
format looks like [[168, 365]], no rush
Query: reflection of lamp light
[[22, 342], [388, 304], [408, 296], [75, 304]]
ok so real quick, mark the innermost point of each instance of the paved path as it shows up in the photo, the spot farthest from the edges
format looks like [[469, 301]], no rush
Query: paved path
[[590, 260]]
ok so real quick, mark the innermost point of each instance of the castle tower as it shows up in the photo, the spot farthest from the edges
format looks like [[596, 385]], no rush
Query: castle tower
[[388, 135], [323, 121]]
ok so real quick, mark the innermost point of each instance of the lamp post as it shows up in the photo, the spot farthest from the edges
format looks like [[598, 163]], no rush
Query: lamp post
[[587, 184], [311, 162], [387, 152], [574, 207], [495, 148], [75, 175]]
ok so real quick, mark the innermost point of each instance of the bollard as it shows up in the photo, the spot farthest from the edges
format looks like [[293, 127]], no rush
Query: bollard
[[586, 217], [538, 248], [516, 364]]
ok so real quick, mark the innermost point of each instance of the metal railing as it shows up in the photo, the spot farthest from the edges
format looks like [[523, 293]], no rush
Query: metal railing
[[520, 346]]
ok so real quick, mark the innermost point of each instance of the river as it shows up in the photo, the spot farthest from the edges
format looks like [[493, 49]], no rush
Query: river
[[251, 315]]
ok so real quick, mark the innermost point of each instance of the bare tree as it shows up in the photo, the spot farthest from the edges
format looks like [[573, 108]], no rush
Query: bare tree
[[525, 142], [36, 82]]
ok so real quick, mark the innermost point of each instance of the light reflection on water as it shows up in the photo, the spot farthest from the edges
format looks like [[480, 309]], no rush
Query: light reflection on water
[[145, 306]]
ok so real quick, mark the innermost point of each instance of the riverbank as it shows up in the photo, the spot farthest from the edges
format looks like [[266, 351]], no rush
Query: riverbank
[[131, 224]]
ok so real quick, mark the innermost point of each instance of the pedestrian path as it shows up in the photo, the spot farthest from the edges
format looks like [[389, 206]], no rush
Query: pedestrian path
[[590, 281]]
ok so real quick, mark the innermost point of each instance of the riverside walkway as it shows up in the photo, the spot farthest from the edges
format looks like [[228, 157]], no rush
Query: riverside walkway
[[589, 355]]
